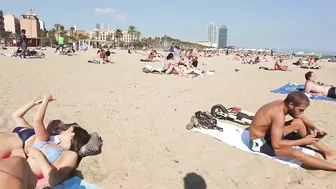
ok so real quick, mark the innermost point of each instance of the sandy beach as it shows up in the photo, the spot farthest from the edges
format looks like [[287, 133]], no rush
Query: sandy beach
[[142, 117]]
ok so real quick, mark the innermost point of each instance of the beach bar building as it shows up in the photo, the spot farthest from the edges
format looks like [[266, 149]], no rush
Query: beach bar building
[[31, 24], [12, 24]]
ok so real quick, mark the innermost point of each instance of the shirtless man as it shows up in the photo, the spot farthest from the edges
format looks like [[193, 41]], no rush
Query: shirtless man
[[311, 87], [268, 130], [278, 66], [193, 58]]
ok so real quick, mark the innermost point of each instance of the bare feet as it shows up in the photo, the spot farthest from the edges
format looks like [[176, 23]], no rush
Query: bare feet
[[330, 155]]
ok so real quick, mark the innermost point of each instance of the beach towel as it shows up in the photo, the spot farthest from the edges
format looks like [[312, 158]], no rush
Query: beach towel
[[239, 138], [32, 57], [7, 54], [72, 183], [290, 87], [149, 69]]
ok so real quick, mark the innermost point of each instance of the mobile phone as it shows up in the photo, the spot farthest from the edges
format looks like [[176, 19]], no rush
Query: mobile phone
[[321, 136]]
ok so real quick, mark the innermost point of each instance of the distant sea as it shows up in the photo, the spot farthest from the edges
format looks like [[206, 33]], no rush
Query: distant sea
[[324, 56]]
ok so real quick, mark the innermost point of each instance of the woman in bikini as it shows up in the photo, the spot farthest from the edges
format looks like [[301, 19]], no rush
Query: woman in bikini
[[171, 66], [24, 135], [54, 161]]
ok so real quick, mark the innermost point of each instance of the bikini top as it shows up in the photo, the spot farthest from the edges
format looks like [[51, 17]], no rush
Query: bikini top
[[52, 154]]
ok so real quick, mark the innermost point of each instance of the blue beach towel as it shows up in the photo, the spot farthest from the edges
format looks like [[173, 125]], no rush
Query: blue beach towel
[[290, 87], [75, 183]]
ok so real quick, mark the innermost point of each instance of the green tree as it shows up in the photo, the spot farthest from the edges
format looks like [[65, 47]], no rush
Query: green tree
[[118, 34], [132, 32], [52, 35], [97, 34], [57, 27], [72, 29], [137, 34], [83, 37]]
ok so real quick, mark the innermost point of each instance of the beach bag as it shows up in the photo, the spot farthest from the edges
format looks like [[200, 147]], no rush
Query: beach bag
[[206, 120], [93, 147]]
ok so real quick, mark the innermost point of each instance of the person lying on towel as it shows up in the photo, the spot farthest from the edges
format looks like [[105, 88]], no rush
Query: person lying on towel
[[317, 88], [53, 160], [102, 57], [269, 132]]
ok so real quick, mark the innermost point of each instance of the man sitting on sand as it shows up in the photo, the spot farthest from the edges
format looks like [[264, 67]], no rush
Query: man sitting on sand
[[269, 129], [311, 87], [278, 66]]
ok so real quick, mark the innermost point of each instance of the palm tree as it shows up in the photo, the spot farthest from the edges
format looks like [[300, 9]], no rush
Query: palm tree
[[109, 37], [62, 28], [83, 37], [72, 29], [51, 35], [118, 34], [132, 32], [138, 35], [97, 34], [57, 27]]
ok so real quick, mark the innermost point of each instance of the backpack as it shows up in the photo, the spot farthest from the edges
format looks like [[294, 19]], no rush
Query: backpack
[[207, 121]]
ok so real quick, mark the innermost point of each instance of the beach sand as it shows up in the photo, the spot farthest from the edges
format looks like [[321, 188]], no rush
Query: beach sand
[[142, 118]]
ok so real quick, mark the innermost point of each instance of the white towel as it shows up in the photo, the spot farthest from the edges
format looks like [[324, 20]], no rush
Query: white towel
[[239, 138]]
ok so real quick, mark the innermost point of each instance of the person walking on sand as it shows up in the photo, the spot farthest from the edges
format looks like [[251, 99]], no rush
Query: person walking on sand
[[60, 41]]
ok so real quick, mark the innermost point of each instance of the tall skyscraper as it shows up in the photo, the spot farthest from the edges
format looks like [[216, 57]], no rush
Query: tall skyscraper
[[222, 37], [100, 26], [212, 33]]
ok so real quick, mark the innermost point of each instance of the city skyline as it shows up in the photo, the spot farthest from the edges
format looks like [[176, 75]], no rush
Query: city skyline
[[258, 25], [212, 33], [222, 37]]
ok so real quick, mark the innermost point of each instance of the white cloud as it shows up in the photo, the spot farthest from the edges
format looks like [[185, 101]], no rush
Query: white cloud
[[120, 17], [104, 10]]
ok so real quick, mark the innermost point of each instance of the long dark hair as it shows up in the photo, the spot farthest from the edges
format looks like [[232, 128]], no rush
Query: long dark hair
[[79, 140]]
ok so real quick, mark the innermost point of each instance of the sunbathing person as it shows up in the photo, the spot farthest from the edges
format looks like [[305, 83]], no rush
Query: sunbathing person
[[23, 134], [278, 66], [15, 173], [102, 58], [268, 132], [153, 57], [332, 59], [53, 161], [317, 88], [171, 66], [193, 58]]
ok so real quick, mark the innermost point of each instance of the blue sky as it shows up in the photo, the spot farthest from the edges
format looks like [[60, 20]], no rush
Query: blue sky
[[286, 24]]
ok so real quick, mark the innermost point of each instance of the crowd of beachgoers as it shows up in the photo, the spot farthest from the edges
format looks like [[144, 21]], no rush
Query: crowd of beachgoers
[[52, 150]]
